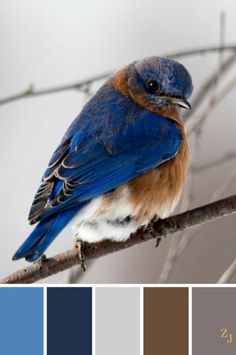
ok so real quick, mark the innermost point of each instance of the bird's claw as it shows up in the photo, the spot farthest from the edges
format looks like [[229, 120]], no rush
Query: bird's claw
[[40, 261], [79, 245], [158, 240], [150, 230]]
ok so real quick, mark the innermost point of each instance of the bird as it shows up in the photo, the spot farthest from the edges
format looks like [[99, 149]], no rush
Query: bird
[[122, 162]]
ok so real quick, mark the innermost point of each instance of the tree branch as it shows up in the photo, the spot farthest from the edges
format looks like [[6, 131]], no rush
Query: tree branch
[[31, 92], [82, 85], [202, 51], [212, 164], [197, 122], [228, 274], [208, 84], [163, 227]]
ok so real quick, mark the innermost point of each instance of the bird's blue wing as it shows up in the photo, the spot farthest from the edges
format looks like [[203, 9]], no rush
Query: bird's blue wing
[[108, 144]]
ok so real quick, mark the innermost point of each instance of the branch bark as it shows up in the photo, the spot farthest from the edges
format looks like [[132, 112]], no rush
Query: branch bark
[[161, 228]]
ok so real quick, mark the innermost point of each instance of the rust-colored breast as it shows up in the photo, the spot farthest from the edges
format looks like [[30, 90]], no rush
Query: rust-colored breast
[[157, 192]]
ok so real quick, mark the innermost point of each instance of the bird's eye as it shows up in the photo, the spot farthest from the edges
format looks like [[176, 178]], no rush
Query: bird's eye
[[153, 86]]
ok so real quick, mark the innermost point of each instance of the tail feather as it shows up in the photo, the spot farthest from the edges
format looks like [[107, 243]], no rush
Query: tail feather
[[43, 235]]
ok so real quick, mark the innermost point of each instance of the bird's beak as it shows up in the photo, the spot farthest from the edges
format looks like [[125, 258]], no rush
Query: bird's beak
[[181, 102]]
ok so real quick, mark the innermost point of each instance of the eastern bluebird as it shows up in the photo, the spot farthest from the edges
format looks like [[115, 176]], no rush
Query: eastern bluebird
[[122, 162]]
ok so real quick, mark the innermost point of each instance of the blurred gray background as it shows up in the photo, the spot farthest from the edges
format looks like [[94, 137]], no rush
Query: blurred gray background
[[53, 42]]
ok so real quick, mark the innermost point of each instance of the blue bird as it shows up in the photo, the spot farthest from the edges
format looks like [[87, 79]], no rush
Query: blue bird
[[121, 163]]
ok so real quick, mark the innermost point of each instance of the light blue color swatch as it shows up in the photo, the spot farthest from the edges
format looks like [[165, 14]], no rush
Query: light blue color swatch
[[21, 321]]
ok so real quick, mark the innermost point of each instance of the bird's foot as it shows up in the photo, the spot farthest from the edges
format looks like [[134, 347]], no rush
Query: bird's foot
[[80, 246], [42, 262], [151, 231], [158, 240], [173, 224]]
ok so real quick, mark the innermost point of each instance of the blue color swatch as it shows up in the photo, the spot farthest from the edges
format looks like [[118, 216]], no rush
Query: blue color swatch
[[21, 321], [69, 320]]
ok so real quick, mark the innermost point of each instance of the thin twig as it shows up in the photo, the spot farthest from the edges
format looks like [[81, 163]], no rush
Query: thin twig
[[208, 84], [212, 164], [228, 274], [201, 51], [174, 224], [197, 122], [184, 243], [77, 273], [31, 92]]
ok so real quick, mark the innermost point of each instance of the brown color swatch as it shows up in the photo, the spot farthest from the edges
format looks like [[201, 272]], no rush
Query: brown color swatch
[[165, 321]]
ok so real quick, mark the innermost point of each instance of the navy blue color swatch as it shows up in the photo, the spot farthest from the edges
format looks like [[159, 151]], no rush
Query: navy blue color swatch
[[69, 320], [21, 321]]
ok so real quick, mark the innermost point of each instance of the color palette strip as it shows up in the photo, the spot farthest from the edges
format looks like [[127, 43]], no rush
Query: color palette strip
[[117, 320]]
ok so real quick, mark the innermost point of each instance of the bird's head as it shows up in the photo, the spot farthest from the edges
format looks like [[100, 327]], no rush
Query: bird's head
[[159, 81]]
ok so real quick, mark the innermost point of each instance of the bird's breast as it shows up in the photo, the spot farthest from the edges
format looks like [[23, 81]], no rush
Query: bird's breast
[[157, 192]]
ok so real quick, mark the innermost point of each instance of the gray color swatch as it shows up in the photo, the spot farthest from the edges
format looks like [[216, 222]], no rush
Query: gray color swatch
[[117, 321], [214, 321]]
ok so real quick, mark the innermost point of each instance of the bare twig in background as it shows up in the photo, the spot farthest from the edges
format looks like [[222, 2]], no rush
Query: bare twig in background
[[222, 38], [201, 51], [208, 84], [228, 274], [76, 273], [219, 96], [32, 92], [174, 224], [211, 82], [177, 247], [212, 164], [197, 124], [87, 92], [184, 242]]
